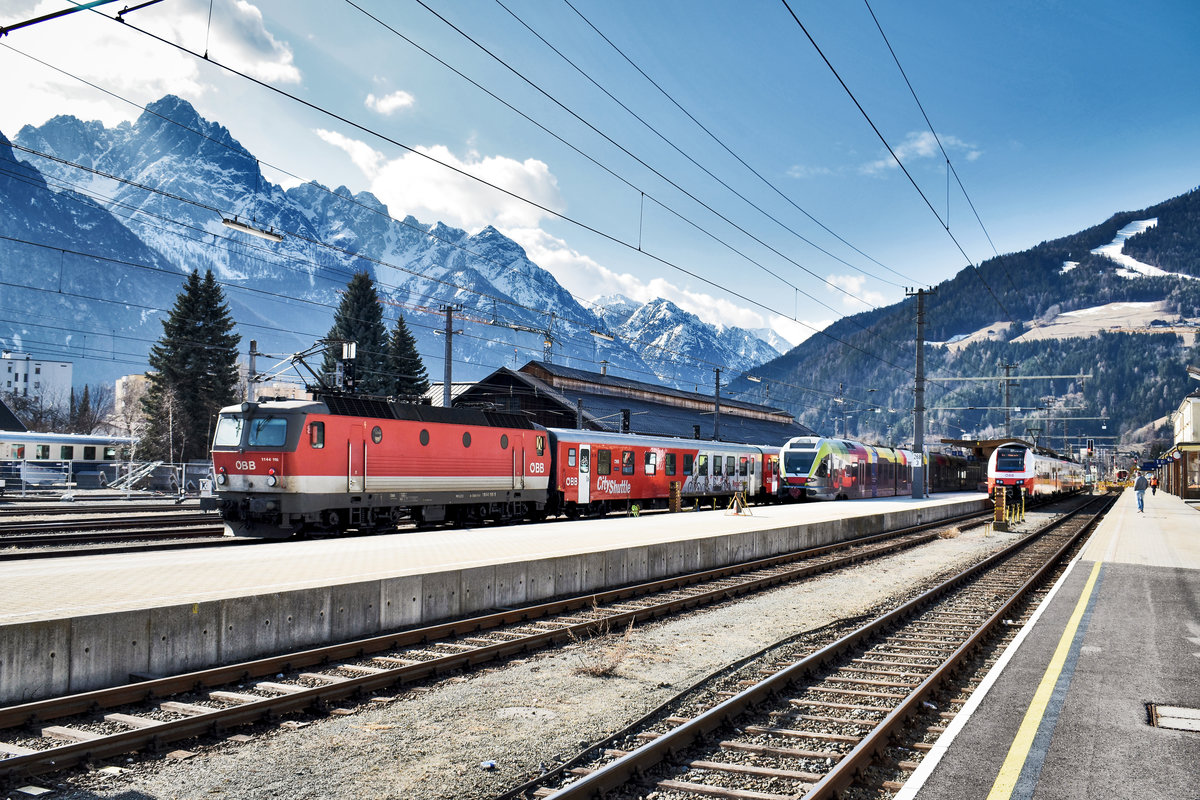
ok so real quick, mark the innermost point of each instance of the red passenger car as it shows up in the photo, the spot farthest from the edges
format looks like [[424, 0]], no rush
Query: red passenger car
[[597, 472]]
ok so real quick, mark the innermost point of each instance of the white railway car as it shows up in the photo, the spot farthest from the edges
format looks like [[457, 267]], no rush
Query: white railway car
[[1018, 466], [44, 459]]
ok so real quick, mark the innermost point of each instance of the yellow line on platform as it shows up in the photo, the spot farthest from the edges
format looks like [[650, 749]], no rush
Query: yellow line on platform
[[1006, 781]]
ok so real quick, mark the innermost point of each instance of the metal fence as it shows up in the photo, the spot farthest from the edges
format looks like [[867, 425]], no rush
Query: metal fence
[[25, 477]]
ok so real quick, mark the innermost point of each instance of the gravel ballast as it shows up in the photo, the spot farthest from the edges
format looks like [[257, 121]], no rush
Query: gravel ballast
[[477, 734]]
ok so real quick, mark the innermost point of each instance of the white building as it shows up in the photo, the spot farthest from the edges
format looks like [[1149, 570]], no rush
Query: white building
[[24, 376], [1186, 420]]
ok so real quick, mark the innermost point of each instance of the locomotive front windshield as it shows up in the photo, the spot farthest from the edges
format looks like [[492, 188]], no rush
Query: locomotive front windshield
[[267, 431], [798, 463], [229, 431], [1010, 459]]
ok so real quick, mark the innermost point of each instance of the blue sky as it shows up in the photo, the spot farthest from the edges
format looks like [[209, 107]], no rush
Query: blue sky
[[1054, 114]]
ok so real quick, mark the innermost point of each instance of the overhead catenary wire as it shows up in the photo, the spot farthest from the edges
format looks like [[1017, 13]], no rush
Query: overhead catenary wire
[[638, 247], [688, 156], [785, 314], [938, 139], [584, 226], [899, 163], [731, 152]]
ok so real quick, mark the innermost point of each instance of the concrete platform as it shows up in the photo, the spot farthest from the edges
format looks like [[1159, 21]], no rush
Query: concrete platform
[[1064, 714], [79, 623]]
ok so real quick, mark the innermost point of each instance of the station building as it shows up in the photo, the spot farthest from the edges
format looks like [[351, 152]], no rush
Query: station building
[[565, 397], [1181, 473]]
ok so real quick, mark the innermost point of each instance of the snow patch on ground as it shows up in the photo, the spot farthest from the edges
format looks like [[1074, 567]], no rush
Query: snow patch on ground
[[1131, 268], [1126, 317]]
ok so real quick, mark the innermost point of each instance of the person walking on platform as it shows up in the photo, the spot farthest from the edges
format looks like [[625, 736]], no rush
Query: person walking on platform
[[1153, 484], [1139, 486]]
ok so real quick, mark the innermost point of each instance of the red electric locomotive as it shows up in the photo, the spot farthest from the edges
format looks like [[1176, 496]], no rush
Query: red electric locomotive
[[284, 467]]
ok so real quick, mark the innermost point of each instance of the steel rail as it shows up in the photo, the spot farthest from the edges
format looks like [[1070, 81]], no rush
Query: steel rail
[[12, 531], [75, 507], [63, 756], [618, 772]]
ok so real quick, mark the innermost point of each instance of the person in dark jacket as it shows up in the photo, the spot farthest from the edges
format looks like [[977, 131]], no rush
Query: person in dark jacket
[[1139, 486]]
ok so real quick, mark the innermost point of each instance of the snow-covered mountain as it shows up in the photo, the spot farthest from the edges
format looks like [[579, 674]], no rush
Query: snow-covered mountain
[[115, 217], [672, 340]]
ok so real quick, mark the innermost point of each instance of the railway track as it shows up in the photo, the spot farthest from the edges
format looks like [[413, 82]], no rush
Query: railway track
[[813, 726], [63, 732], [114, 508], [18, 537]]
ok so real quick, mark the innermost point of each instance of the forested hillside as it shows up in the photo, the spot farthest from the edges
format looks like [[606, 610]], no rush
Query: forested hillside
[[1137, 377]]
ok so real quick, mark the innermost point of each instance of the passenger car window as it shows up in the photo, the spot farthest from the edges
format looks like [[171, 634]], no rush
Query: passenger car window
[[570, 456], [730, 465], [669, 463], [716, 465], [744, 468], [651, 462], [702, 465], [689, 461], [627, 462], [603, 462], [66, 452]]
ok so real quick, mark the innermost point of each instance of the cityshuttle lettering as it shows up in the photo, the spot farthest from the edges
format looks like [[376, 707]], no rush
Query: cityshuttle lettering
[[612, 487]]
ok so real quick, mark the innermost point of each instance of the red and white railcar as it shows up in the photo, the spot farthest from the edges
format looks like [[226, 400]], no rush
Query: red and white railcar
[[283, 467], [1019, 468]]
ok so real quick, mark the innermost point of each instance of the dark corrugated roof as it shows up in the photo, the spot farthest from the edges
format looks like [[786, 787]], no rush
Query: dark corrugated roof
[[9, 421], [603, 411], [663, 420], [629, 383]]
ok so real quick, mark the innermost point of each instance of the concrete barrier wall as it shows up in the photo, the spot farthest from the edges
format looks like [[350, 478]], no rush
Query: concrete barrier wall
[[44, 659]]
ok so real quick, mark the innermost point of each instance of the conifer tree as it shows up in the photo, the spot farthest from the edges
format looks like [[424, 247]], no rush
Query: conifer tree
[[405, 367], [359, 319], [194, 372]]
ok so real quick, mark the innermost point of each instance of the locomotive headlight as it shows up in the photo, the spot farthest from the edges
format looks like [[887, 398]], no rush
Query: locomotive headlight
[[222, 478], [272, 480]]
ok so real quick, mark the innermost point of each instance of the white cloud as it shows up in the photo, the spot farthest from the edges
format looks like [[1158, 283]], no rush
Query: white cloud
[[419, 185], [802, 171], [918, 146], [796, 332], [130, 64], [585, 278], [239, 39], [856, 286], [365, 157], [390, 103]]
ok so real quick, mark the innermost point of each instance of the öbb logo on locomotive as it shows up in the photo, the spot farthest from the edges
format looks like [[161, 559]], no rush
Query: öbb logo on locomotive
[[432, 465]]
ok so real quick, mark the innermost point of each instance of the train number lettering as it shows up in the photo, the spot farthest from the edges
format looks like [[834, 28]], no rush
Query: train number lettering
[[246, 465], [536, 467]]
